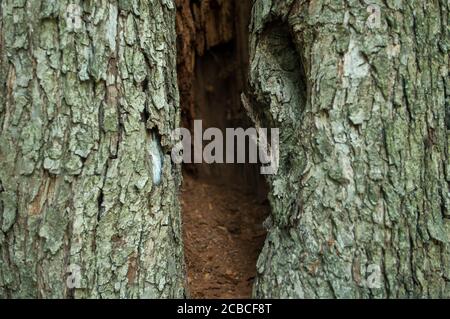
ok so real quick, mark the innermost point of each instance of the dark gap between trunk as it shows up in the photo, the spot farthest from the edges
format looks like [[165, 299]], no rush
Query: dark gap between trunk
[[224, 205]]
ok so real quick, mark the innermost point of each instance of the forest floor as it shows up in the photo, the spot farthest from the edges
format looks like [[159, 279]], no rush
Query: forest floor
[[223, 236]]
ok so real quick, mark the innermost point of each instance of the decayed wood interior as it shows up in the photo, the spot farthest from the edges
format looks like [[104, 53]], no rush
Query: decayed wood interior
[[224, 205]]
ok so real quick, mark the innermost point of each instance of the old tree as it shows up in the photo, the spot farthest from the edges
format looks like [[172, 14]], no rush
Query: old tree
[[88, 189], [89, 196]]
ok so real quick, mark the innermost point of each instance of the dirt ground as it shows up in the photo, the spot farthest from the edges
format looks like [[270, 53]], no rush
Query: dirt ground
[[223, 235]]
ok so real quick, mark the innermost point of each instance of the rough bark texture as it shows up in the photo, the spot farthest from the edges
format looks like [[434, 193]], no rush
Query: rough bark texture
[[364, 176], [85, 175]]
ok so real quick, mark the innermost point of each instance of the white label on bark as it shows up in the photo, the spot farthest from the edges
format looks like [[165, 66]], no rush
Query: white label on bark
[[157, 159]]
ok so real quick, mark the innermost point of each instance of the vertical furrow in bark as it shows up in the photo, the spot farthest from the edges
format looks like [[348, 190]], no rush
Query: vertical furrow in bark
[[360, 204], [88, 186]]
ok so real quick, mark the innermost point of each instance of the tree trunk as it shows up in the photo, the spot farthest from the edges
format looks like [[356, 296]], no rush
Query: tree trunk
[[88, 193], [361, 204]]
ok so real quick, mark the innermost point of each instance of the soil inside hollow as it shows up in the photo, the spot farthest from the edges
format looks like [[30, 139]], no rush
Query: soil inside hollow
[[223, 236]]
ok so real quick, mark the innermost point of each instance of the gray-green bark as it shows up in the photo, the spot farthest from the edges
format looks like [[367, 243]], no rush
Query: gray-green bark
[[364, 176], [85, 115]]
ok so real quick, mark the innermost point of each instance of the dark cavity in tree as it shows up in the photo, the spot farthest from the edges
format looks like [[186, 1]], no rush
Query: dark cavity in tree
[[224, 205]]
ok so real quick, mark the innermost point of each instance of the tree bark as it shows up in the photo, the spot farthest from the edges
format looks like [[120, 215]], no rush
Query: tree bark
[[361, 203], [88, 194], [87, 187]]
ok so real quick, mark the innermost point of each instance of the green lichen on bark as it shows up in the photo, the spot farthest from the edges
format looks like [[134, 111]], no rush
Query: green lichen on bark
[[360, 91], [82, 102]]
